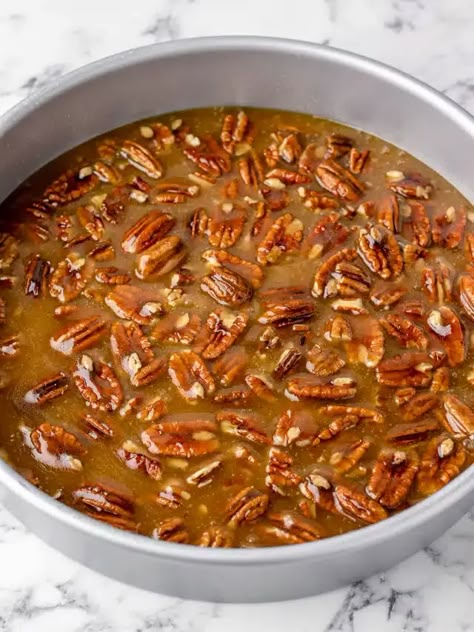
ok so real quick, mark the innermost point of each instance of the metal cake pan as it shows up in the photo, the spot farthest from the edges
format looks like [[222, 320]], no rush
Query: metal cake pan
[[261, 72]]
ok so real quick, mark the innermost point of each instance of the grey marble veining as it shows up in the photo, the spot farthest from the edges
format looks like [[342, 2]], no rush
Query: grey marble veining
[[42, 591]]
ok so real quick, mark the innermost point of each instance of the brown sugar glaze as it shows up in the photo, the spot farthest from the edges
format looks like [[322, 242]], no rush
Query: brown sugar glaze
[[237, 329]]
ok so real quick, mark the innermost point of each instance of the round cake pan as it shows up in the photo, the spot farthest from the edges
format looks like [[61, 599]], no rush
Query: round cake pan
[[244, 71]]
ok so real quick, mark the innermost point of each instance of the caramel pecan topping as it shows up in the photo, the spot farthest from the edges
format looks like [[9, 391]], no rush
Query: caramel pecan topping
[[286, 352]]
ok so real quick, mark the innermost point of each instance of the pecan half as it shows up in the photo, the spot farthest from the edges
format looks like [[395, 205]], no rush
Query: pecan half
[[37, 272], [79, 335], [243, 424], [260, 387], [458, 417], [91, 221], [204, 474], [344, 418], [70, 186], [338, 145], [209, 156], [134, 303], [252, 272], [226, 287], [409, 185], [288, 360], [108, 504], [294, 426], [174, 192], [98, 384], [342, 499], [147, 231], [418, 223], [466, 294], [384, 297], [447, 327], [358, 160], [249, 504], [279, 474], [325, 234], [190, 375], [448, 228], [230, 366], [414, 432], [70, 277], [413, 368], [216, 536], [337, 329], [338, 181], [324, 271], [283, 237], [314, 387], [418, 405], [97, 427], [48, 389], [132, 351], [140, 158], [172, 530], [220, 332], [184, 438], [379, 249], [289, 311], [290, 527], [367, 344], [323, 362], [54, 447], [134, 459], [164, 256], [440, 463], [405, 331], [392, 477], [177, 328], [344, 459], [437, 282], [234, 131], [8, 250]]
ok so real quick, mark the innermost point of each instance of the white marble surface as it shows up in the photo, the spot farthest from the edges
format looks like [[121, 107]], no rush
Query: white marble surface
[[40, 590]]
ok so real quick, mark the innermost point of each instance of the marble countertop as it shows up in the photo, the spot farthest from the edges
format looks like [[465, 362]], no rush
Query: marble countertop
[[42, 591]]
